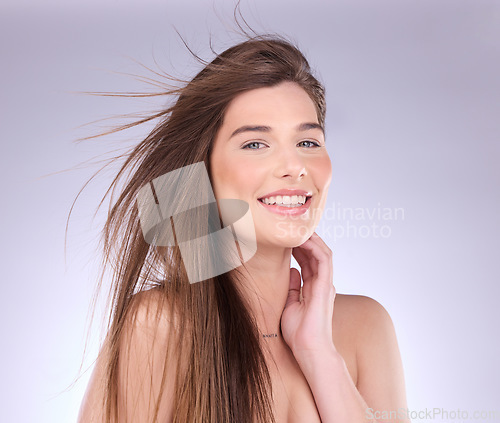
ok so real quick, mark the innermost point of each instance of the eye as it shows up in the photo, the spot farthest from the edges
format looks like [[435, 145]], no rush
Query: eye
[[310, 143], [252, 143]]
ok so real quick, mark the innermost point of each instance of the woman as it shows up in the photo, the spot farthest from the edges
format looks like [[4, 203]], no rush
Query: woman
[[249, 344]]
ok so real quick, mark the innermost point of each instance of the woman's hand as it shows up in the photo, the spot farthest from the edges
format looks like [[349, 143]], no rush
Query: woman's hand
[[306, 324]]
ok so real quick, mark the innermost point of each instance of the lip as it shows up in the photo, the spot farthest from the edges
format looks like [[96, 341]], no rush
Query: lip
[[287, 211], [287, 192]]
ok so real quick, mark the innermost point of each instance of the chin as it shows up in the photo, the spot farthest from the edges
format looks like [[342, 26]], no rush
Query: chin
[[288, 239]]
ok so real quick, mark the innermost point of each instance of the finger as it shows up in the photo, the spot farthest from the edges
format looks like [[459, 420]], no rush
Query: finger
[[323, 255], [309, 270], [294, 288], [313, 263], [303, 259], [309, 257], [309, 267], [320, 240]]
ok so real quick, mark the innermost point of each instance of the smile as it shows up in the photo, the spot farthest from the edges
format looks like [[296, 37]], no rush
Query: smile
[[286, 205], [285, 200]]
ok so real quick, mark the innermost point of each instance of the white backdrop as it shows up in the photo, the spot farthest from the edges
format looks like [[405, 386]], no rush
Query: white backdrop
[[413, 209]]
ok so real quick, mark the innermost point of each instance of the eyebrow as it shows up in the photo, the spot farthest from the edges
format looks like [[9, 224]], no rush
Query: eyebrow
[[260, 128]]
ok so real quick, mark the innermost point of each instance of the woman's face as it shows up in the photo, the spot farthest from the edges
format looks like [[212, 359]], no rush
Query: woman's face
[[271, 149]]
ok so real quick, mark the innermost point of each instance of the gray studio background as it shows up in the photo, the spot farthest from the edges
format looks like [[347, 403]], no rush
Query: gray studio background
[[412, 129]]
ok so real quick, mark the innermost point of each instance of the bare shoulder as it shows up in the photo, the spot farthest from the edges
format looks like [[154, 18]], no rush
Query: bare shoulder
[[359, 311], [363, 325], [355, 319], [142, 363], [149, 311], [354, 316]]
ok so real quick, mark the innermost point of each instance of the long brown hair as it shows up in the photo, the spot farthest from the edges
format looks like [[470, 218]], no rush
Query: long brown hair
[[226, 378]]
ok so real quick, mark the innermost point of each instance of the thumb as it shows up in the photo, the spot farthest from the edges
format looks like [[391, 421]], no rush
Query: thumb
[[294, 288]]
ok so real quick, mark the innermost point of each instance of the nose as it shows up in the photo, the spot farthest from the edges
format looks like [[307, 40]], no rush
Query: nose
[[290, 164]]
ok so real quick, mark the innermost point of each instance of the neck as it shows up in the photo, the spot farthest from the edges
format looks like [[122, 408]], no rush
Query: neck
[[265, 283], [269, 335]]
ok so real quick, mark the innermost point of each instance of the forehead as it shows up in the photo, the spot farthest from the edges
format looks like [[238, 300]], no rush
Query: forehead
[[286, 102]]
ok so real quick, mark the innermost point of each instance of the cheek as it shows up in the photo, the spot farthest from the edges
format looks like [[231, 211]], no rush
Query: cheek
[[322, 170], [322, 178], [243, 176], [217, 176], [233, 178]]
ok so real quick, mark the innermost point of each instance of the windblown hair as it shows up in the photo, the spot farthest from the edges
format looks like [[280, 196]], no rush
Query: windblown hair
[[225, 378]]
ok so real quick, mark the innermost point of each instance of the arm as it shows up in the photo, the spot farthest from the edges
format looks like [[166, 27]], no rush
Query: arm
[[380, 392], [380, 369], [336, 397], [307, 327]]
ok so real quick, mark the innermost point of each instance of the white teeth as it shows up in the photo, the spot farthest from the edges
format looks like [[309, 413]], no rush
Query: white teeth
[[285, 200]]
